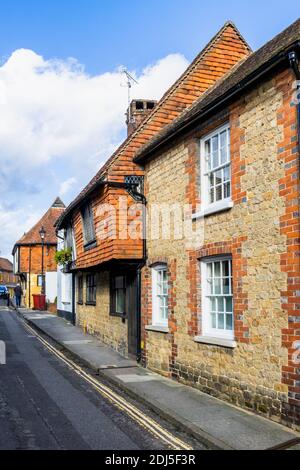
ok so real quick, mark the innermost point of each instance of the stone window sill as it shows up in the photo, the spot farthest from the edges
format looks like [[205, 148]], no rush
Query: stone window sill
[[157, 328], [214, 209], [226, 343]]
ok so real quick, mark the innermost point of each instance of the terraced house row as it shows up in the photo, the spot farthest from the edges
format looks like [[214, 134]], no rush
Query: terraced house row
[[186, 243]]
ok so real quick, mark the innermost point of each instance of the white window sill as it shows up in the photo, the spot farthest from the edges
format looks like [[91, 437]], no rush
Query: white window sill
[[225, 342], [157, 328], [213, 209]]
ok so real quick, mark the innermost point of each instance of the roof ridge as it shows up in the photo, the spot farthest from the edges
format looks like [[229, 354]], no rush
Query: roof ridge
[[164, 131], [171, 91], [191, 67]]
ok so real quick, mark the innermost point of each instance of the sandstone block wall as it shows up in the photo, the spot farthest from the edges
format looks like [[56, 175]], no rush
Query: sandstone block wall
[[261, 232]]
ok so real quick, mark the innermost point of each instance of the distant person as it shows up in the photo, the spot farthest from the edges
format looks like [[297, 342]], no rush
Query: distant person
[[18, 295]]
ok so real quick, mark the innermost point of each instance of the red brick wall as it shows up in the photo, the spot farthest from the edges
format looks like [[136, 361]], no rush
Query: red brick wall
[[289, 188], [36, 259]]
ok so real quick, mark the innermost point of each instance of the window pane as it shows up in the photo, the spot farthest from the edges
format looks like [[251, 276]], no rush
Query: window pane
[[119, 282], [225, 268], [224, 147], [217, 284], [226, 283], [229, 322], [219, 195], [213, 320], [207, 155], [215, 143], [120, 301], [213, 304], [229, 304], [209, 270], [226, 174], [221, 304], [217, 269], [227, 190], [218, 177], [221, 323]]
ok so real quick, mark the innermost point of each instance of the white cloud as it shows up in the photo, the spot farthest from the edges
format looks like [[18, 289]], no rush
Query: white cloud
[[52, 108], [14, 223], [66, 185], [58, 125]]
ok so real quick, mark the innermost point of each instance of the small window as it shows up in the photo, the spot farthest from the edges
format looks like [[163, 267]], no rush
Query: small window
[[70, 240], [118, 295], [88, 226], [160, 291], [217, 298], [216, 167], [40, 280], [80, 290], [91, 289]]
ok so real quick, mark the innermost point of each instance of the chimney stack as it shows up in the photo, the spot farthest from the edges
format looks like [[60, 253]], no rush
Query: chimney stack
[[137, 113]]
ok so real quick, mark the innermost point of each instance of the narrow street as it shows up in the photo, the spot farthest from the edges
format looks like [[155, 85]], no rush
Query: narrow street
[[46, 405]]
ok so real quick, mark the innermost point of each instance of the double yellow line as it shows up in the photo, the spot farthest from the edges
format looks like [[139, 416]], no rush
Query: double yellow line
[[117, 400]]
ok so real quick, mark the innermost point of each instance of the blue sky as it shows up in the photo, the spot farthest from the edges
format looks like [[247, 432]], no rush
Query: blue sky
[[103, 34], [62, 96]]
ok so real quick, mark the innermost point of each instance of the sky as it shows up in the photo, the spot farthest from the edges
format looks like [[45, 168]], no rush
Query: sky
[[62, 92]]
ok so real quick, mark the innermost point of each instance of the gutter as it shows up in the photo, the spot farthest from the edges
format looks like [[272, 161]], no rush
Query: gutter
[[218, 102]]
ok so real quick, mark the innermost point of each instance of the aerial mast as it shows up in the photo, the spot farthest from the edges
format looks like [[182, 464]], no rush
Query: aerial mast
[[130, 81]]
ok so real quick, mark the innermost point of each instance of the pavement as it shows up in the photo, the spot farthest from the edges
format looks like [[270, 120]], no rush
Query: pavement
[[46, 405], [215, 423]]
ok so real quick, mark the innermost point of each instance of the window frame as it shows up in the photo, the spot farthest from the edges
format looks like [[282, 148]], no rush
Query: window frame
[[113, 290], [69, 240], [207, 330], [41, 279], [80, 289], [226, 202], [93, 286], [89, 243], [157, 319]]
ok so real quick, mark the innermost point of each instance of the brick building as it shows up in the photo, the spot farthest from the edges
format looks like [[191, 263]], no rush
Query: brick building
[[7, 276], [108, 261], [211, 297], [34, 261], [221, 302]]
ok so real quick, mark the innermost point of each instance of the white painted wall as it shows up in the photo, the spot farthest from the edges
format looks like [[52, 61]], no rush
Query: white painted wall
[[51, 287], [64, 284]]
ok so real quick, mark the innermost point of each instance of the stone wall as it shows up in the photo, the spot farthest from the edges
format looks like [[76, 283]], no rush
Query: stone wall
[[97, 321], [258, 373]]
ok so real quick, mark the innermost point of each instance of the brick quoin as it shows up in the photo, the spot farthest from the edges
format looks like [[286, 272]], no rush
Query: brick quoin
[[290, 226]]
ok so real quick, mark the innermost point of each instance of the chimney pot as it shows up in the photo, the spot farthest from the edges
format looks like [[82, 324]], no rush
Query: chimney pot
[[137, 112]]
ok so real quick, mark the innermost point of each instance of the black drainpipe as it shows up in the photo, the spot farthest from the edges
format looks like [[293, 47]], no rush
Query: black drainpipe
[[29, 281], [139, 275], [131, 188], [294, 63]]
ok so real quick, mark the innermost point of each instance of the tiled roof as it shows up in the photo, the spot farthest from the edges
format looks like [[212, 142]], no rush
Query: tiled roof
[[246, 68], [5, 265], [221, 53], [47, 221]]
